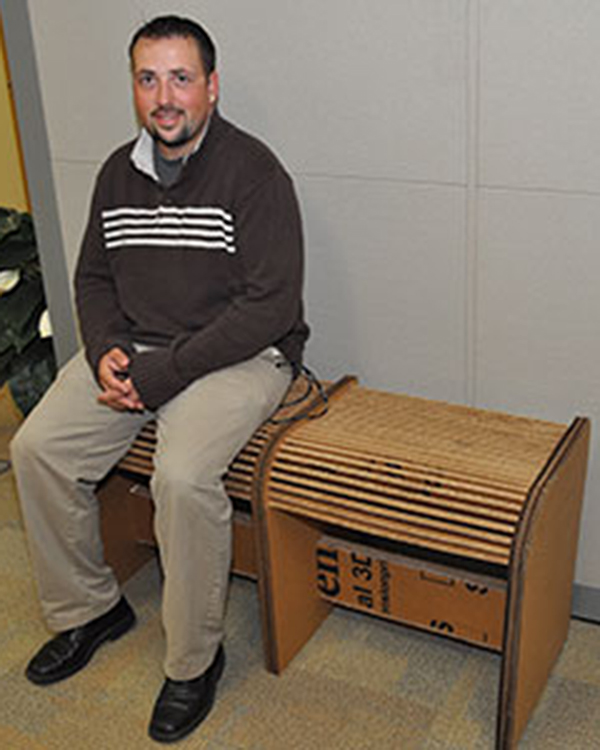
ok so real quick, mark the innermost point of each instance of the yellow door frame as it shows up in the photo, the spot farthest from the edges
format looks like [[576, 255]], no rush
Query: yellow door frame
[[14, 192]]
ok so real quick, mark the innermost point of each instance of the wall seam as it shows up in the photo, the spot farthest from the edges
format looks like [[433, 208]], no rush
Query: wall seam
[[471, 202]]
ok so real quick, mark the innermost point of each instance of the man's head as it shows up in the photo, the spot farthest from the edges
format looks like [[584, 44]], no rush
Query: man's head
[[175, 83], [167, 27]]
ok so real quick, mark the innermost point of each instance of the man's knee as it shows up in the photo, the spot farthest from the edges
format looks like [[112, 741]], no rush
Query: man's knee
[[41, 440], [197, 487], [29, 442], [174, 473]]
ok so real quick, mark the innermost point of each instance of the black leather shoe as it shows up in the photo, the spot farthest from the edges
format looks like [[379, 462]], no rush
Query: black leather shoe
[[183, 704], [70, 651]]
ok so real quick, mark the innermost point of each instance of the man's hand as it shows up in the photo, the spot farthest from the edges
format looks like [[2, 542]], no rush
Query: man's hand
[[118, 390]]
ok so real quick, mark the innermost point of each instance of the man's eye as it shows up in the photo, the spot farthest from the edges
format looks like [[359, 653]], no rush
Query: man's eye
[[181, 79], [145, 80]]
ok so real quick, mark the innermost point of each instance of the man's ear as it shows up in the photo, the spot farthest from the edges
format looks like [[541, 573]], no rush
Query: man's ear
[[213, 87]]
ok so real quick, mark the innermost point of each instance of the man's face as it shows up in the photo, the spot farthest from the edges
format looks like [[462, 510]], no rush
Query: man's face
[[172, 95]]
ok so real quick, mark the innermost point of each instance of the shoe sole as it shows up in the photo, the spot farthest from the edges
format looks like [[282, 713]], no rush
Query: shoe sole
[[112, 634], [184, 731]]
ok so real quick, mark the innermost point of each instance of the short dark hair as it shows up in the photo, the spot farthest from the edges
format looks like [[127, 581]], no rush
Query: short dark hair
[[164, 27]]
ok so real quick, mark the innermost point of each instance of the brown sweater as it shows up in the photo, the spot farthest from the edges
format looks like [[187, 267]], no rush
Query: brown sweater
[[209, 270]]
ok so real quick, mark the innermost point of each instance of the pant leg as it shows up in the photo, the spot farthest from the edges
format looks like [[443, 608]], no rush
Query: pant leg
[[65, 446], [199, 433]]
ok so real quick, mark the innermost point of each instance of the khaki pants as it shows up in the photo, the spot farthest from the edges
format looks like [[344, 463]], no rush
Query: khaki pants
[[70, 441]]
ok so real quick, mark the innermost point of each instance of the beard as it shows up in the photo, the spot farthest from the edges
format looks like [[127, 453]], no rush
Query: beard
[[185, 136], [181, 139]]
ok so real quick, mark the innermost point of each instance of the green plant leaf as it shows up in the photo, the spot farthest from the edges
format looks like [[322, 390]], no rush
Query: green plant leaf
[[17, 239], [10, 221], [7, 357], [20, 310], [16, 253], [34, 372]]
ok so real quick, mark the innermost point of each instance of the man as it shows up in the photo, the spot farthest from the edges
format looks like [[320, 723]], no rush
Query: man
[[188, 291]]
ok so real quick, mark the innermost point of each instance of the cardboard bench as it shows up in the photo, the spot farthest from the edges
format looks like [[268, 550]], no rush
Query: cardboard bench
[[458, 521]]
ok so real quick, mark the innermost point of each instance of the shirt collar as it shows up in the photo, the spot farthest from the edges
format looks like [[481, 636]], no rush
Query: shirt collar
[[142, 154]]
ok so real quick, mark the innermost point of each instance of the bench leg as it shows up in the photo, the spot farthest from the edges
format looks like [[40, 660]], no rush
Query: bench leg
[[291, 606], [542, 571]]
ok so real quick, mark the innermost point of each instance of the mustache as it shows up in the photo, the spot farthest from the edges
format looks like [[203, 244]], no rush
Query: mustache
[[159, 111]]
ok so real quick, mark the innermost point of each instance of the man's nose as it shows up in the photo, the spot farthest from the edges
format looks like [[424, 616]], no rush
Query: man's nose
[[165, 92]]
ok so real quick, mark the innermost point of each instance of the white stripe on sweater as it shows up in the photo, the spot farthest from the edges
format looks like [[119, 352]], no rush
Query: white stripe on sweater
[[208, 228]]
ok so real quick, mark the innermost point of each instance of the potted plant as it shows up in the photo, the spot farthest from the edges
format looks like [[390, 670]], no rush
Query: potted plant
[[27, 362]]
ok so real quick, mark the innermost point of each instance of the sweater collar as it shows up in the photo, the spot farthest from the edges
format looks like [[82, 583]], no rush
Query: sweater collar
[[142, 154]]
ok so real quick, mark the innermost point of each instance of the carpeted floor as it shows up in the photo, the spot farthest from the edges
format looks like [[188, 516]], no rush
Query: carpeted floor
[[360, 682]]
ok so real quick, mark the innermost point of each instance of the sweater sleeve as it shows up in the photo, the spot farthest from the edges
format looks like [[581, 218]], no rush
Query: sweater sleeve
[[268, 305], [102, 323]]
